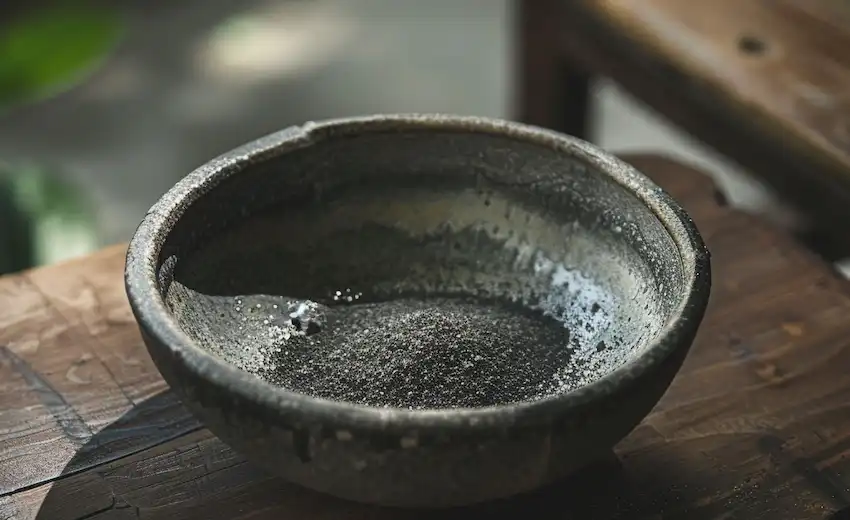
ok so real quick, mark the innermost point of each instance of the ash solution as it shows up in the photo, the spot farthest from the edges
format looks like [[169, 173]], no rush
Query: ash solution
[[364, 304]]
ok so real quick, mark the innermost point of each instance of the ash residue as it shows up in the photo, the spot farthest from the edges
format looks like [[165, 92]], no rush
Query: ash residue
[[431, 353]]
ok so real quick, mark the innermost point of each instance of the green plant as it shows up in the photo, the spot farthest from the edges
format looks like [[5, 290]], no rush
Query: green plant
[[43, 51], [48, 49]]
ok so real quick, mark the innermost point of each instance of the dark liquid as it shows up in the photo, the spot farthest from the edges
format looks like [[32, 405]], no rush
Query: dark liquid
[[425, 353], [436, 324]]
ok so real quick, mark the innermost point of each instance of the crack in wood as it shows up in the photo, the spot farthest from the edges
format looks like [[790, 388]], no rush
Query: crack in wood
[[66, 417], [824, 481]]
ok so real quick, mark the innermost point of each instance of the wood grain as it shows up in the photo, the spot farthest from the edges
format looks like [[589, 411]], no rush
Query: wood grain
[[766, 82], [71, 363], [756, 425]]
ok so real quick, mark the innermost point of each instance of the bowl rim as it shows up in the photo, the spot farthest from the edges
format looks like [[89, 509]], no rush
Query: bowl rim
[[158, 323]]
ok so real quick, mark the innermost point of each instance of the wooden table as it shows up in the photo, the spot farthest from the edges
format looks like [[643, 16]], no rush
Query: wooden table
[[756, 425], [765, 82]]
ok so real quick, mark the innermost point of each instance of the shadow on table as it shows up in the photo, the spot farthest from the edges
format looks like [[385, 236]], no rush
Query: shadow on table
[[196, 476]]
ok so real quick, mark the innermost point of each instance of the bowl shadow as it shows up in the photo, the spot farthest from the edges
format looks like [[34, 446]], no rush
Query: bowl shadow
[[196, 476]]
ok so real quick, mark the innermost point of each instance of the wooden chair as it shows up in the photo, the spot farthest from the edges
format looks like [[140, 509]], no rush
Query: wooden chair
[[766, 82]]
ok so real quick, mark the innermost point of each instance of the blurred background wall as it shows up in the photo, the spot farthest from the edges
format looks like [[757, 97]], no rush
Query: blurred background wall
[[188, 80]]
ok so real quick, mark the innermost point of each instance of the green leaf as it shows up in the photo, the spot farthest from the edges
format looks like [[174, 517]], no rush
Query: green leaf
[[44, 217], [17, 237], [50, 49]]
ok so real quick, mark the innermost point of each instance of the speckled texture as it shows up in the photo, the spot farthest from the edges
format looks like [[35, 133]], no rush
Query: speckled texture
[[473, 261], [415, 353], [419, 207]]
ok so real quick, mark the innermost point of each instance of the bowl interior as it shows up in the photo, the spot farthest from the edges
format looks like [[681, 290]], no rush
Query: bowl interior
[[449, 269]]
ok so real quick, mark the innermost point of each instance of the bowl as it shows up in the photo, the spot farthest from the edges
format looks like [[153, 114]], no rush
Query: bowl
[[418, 310]]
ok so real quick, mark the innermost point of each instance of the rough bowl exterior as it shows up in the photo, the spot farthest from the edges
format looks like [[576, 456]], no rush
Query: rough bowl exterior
[[412, 458]]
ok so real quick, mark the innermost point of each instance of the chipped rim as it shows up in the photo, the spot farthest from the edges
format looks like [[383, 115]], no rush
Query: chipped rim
[[158, 322]]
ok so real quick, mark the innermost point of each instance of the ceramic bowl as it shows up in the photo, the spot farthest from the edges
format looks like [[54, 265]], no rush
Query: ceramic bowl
[[494, 305]]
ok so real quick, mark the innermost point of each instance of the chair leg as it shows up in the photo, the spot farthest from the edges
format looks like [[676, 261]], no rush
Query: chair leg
[[550, 92]]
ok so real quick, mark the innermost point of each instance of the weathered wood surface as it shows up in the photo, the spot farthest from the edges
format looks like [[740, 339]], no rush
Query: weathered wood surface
[[756, 425], [766, 82]]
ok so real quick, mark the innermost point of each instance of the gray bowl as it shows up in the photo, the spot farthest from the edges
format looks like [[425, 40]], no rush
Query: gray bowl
[[418, 310]]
